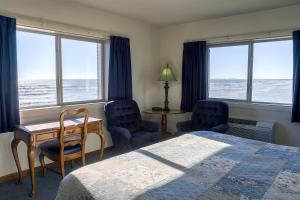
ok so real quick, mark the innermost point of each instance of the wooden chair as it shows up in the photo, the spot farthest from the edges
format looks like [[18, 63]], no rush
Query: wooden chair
[[70, 144]]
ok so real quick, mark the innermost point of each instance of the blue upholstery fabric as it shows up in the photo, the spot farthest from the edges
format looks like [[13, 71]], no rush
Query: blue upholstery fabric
[[149, 126], [120, 80], [125, 114], [296, 78], [141, 138], [9, 101], [126, 126], [221, 128], [194, 74], [54, 148], [207, 115]]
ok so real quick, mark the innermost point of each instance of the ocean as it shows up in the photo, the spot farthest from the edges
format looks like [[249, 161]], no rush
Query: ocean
[[263, 90], [34, 93], [43, 92]]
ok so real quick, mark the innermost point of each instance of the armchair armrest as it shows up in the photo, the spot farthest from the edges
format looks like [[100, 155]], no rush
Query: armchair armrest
[[150, 126], [120, 136], [221, 128], [119, 132], [185, 126]]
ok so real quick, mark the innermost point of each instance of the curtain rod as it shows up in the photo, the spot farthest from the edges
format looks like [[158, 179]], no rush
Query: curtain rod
[[38, 23], [247, 36]]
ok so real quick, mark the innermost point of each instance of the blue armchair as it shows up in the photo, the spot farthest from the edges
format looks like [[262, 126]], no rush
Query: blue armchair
[[207, 115], [126, 126]]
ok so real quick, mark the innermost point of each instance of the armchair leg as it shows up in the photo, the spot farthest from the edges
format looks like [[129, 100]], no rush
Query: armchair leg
[[42, 161]]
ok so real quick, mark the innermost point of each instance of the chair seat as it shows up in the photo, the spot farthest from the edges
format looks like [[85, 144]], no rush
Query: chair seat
[[54, 148], [142, 138]]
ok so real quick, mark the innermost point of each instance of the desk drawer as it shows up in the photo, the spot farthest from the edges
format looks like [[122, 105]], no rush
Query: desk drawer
[[94, 127], [71, 132], [46, 136]]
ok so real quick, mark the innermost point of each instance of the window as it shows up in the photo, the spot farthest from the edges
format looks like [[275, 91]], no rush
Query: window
[[80, 70], [272, 72], [36, 69], [255, 71], [228, 72], [55, 69]]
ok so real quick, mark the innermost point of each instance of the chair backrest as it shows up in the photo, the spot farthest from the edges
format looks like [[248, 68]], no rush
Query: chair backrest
[[69, 132], [209, 113], [123, 113]]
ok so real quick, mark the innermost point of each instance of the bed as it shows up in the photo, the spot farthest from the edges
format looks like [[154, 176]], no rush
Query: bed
[[198, 165]]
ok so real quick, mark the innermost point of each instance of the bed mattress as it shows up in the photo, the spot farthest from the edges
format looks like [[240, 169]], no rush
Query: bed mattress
[[198, 165]]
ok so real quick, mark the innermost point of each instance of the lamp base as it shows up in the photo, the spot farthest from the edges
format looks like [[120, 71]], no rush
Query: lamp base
[[166, 109]]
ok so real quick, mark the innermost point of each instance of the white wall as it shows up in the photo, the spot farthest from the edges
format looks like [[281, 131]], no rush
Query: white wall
[[144, 53], [171, 47]]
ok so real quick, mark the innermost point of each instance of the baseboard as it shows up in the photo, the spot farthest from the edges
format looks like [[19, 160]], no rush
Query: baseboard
[[14, 176]]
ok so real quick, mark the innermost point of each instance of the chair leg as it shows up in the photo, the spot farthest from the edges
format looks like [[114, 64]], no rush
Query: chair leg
[[72, 163], [62, 167], [83, 159], [42, 161]]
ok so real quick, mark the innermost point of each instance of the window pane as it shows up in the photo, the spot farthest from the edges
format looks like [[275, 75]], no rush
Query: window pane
[[273, 72], [228, 72], [36, 69], [80, 70]]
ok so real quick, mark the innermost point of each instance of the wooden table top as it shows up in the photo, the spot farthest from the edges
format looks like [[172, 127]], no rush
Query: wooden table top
[[53, 126], [161, 112]]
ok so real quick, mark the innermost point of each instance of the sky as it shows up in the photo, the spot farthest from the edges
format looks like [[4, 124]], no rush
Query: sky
[[37, 60], [271, 60]]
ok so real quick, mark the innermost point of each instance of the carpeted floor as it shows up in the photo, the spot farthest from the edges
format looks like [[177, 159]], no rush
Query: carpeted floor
[[46, 187]]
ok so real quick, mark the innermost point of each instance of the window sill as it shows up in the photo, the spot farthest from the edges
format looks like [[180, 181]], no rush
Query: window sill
[[51, 113], [260, 106], [72, 105]]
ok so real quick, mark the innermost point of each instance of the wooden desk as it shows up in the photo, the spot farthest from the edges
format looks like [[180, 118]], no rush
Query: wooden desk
[[164, 120], [36, 134]]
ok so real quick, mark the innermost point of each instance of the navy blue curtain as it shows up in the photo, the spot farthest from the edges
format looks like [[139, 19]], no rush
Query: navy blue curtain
[[194, 74], [120, 80], [9, 103], [296, 78]]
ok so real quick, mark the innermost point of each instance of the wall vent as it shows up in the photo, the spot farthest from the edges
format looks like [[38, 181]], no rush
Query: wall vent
[[251, 129]]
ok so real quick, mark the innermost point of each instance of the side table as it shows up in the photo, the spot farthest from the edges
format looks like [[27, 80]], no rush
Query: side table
[[164, 114]]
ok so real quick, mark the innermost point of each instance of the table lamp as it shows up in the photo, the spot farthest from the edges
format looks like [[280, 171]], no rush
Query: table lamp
[[167, 75]]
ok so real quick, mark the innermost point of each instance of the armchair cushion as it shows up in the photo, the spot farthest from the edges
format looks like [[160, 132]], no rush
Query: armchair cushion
[[185, 126], [142, 138], [221, 128], [149, 126]]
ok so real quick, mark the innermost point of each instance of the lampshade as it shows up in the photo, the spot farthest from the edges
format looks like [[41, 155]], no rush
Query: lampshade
[[167, 74]]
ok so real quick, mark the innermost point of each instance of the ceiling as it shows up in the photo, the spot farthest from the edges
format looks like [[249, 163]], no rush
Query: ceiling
[[165, 12]]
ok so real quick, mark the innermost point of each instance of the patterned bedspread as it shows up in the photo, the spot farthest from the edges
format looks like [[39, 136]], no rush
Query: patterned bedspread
[[199, 165]]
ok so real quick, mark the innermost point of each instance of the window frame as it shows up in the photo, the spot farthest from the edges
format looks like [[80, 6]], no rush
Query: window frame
[[250, 44], [101, 91]]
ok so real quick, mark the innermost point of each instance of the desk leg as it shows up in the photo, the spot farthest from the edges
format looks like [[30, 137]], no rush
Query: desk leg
[[102, 145], [31, 159], [14, 148], [164, 123], [102, 141]]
